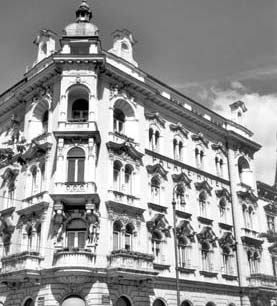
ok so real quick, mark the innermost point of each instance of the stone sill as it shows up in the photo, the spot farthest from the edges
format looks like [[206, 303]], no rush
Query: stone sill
[[158, 266], [208, 273], [229, 277], [186, 270]]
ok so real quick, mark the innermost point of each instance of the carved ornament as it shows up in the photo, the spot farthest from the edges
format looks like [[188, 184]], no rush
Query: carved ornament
[[160, 224]]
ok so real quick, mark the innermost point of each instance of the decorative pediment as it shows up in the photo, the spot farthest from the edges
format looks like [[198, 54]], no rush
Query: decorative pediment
[[227, 241], [252, 242], [179, 128], [119, 209], [271, 208], [270, 235], [207, 236], [156, 118], [204, 185], [157, 169], [184, 232], [248, 195], [223, 193], [9, 177], [219, 147], [159, 223], [200, 137], [125, 148], [181, 178]]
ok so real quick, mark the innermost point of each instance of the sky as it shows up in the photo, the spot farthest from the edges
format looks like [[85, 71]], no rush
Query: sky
[[215, 51]]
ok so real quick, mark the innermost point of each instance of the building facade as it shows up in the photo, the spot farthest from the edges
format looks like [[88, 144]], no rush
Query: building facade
[[96, 159]]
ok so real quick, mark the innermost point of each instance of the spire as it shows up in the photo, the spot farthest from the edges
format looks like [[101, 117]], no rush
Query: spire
[[83, 13]]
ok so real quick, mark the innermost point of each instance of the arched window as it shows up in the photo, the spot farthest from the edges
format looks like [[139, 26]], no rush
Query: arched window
[[123, 301], [156, 241], [128, 173], [184, 249], [117, 228], [219, 166], [199, 158], [206, 254], [154, 139], [129, 237], [118, 121], [73, 301], [223, 209], [251, 217], [80, 110], [78, 105], [117, 175], [203, 204], [254, 261], [244, 171], [29, 302], [75, 165], [159, 302], [155, 189], [34, 182], [177, 149], [227, 260], [45, 121], [76, 231], [210, 304]]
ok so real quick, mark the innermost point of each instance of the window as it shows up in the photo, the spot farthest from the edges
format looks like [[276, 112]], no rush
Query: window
[[227, 261], [76, 165], [29, 302], [76, 234], [80, 110], [184, 253], [154, 139], [117, 175], [244, 171], [274, 265], [177, 149], [117, 235], [34, 174], [203, 204], [185, 303], [270, 223], [156, 241], [223, 209], [123, 301], [248, 216], [206, 255], [129, 237], [128, 173], [253, 261], [180, 196], [199, 158], [155, 190], [219, 166], [118, 121], [45, 122]]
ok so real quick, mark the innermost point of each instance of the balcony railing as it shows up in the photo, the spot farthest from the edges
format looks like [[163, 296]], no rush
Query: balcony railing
[[77, 126], [71, 188], [128, 259], [124, 198], [74, 258], [21, 261], [262, 280]]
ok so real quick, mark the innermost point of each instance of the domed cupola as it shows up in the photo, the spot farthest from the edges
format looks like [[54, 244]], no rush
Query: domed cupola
[[81, 36]]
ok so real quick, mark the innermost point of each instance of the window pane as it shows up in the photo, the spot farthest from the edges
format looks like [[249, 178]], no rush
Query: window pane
[[71, 170], [127, 242], [115, 241], [81, 169], [81, 240], [70, 239]]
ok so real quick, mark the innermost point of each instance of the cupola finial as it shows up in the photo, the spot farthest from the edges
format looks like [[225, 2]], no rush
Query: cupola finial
[[83, 13]]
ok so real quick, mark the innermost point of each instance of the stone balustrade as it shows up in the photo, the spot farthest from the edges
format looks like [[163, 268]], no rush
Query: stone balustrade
[[262, 280], [71, 188], [21, 261], [124, 198], [74, 258], [77, 126]]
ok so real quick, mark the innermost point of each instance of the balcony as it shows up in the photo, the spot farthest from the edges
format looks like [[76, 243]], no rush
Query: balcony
[[131, 265], [70, 260], [262, 280], [124, 198], [75, 192], [18, 267]]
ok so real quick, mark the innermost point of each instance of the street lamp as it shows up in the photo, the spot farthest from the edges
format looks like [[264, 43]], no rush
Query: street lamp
[[175, 245]]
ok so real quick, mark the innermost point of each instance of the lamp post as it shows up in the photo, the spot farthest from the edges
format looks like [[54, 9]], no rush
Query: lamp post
[[175, 246]]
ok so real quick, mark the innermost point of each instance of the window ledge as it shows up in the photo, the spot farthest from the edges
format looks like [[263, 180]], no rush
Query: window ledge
[[186, 270], [157, 207], [225, 226], [229, 277], [183, 214], [158, 266], [208, 273]]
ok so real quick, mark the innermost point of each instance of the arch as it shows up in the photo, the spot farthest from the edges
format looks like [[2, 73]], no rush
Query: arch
[[210, 304], [128, 178], [78, 103], [75, 165], [123, 301], [244, 171], [159, 302], [125, 107], [186, 303], [29, 302], [73, 300]]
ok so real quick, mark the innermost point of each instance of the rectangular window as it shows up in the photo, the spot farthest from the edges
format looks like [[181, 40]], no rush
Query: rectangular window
[[116, 241], [185, 256], [81, 170], [270, 223], [71, 171], [128, 242]]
